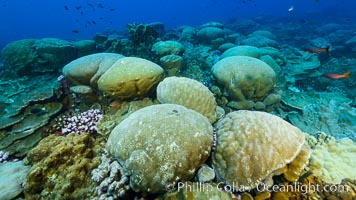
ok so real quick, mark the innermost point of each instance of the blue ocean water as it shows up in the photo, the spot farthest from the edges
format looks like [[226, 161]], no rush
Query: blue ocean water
[[40, 18]]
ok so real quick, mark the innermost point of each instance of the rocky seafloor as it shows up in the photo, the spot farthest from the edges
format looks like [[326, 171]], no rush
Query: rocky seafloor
[[219, 111]]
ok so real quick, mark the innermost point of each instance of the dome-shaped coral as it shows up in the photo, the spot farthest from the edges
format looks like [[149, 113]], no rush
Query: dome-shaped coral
[[88, 69], [161, 144], [251, 145], [130, 77], [189, 93], [244, 78]]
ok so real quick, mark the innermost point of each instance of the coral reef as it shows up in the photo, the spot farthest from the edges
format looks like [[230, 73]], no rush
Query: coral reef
[[172, 64], [113, 184], [163, 48], [30, 56], [12, 176], [142, 34], [116, 114], [211, 33], [160, 145], [85, 47], [334, 117], [252, 146], [326, 151], [78, 123], [4, 156], [205, 174], [27, 130], [246, 80], [87, 70], [130, 77], [61, 167], [189, 93], [300, 65]]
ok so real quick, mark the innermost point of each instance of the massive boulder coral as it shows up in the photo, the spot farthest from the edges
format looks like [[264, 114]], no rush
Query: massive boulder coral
[[326, 152], [61, 167], [130, 77], [160, 145], [19, 55], [12, 176], [244, 78], [189, 93], [211, 33], [252, 146], [88, 69], [163, 48], [30, 56], [172, 64]]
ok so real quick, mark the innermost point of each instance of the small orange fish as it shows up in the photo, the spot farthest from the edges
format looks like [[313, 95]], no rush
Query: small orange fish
[[319, 50], [115, 103], [337, 76]]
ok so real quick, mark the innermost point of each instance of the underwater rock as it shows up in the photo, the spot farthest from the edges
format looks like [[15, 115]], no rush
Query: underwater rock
[[252, 145], [172, 64], [12, 176], [189, 93], [160, 145], [244, 78], [61, 167], [130, 77], [87, 70], [163, 48]]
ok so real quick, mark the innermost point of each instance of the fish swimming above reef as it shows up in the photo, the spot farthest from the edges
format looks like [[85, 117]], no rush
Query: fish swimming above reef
[[115, 103], [337, 76], [319, 50], [290, 9], [75, 31]]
